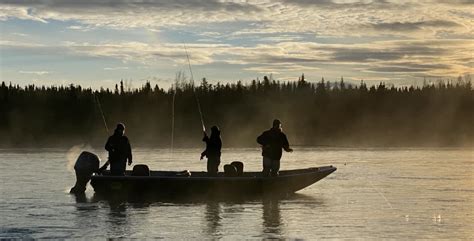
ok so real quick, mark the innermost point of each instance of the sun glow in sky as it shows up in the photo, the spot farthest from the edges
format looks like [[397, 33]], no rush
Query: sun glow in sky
[[97, 43]]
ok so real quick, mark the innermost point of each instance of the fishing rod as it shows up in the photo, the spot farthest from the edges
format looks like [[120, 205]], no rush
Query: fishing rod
[[194, 91], [96, 99], [172, 119]]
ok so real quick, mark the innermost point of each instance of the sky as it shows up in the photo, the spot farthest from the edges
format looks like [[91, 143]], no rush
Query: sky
[[99, 43]]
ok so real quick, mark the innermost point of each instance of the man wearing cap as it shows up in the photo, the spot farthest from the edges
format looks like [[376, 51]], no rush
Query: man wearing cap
[[213, 151], [119, 150], [273, 141]]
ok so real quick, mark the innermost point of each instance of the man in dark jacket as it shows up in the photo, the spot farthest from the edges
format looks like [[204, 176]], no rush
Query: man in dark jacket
[[119, 150], [213, 150], [273, 141]]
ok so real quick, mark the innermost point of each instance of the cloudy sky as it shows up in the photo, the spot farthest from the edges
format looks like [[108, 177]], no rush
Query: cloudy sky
[[97, 43]]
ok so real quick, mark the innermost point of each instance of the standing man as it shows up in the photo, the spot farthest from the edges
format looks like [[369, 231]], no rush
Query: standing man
[[213, 151], [119, 150], [273, 141]]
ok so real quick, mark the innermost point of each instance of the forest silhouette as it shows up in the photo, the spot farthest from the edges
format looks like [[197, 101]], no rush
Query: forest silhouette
[[313, 113]]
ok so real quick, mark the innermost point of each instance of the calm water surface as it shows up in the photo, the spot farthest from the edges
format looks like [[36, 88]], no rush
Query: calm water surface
[[375, 193]]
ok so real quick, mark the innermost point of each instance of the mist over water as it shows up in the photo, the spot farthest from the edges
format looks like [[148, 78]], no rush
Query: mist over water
[[313, 114], [376, 193]]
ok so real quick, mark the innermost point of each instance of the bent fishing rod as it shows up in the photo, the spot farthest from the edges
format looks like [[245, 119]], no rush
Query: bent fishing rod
[[194, 91], [96, 100]]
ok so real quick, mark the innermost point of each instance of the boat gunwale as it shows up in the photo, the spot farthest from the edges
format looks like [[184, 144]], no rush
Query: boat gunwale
[[310, 171]]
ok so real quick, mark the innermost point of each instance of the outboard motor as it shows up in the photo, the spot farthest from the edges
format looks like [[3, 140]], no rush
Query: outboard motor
[[87, 163]]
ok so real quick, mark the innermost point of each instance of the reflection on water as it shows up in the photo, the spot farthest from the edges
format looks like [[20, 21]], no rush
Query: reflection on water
[[117, 220], [213, 219], [86, 214], [217, 213], [272, 221]]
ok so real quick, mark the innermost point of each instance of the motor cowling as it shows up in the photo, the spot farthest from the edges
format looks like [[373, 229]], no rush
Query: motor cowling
[[86, 164]]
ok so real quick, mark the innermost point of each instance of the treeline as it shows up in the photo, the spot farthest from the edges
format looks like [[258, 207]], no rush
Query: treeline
[[313, 113]]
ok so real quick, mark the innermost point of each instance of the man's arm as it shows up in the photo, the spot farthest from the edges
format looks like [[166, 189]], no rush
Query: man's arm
[[205, 138], [129, 152], [286, 144], [108, 145], [104, 167], [203, 154], [261, 139]]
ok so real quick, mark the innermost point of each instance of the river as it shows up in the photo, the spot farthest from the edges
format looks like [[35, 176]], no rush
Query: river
[[376, 193]]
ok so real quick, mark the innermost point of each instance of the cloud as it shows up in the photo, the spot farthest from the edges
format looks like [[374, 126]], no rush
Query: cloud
[[281, 68], [80, 28], [431, 56], [199, 5], [341, 4], [34, 72], [146, 53], [396, 69], [20, 34], [383, 53], [460, 2], [400, 56], [292, 17], [412, 26], [125, 14], [407, 38], [7, 12], [373, 3], [115, 68]]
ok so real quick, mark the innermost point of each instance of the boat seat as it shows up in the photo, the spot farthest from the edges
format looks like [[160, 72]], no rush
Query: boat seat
[[140, 170], [239, 166], [230, 170]]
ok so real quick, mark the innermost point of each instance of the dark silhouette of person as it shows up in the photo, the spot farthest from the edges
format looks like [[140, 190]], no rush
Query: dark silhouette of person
[[273, 141], [213, 150], [119, 150]]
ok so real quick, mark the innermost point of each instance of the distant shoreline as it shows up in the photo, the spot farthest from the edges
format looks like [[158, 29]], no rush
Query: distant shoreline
[[312, 113]]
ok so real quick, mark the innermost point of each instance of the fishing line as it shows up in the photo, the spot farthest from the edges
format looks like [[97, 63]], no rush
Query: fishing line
[[172, 120], [381, 194], [372, 186], [194, 91]]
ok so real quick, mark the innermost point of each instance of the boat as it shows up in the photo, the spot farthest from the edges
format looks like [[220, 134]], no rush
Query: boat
[[171, 183]]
